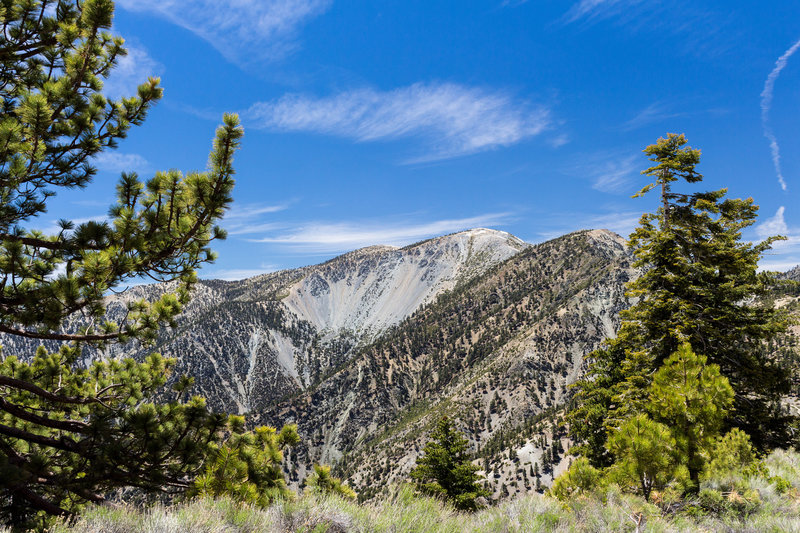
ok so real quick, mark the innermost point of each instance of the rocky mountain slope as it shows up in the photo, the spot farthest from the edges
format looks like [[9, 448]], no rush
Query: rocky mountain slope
[[250, 343], [366, 350], [793, 274], [497, 353], [366, 291], [786, 346]]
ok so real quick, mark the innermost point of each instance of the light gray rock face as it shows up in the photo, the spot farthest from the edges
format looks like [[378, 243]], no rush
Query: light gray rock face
[[793, 274], [367, 291]]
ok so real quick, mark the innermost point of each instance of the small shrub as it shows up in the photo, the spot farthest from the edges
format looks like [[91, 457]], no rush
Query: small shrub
[[323, 482], [732, 456], [743, 503], [247, 466], [581, 477], [781, 484], [712, 501], [644, 450]]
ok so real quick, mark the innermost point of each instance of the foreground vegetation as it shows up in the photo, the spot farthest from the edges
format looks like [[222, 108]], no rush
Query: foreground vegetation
[[766, 502]]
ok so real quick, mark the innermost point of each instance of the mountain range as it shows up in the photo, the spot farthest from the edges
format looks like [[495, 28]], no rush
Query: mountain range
[[367, 351]]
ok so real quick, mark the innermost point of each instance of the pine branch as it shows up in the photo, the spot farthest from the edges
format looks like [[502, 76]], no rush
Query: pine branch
[[65, 425]]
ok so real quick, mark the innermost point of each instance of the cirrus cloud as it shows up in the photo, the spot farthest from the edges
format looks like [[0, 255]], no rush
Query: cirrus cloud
[[119, 162], [766, 106], [131, 71], [785, 254], [241, 30], [452, 119]]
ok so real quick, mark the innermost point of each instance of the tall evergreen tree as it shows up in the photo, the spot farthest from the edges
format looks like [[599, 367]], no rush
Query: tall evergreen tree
[[700, 285], [444, 469], [672, 442], [70, 432]]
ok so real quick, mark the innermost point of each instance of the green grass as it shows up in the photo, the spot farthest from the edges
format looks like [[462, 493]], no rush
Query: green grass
[[767, 510]]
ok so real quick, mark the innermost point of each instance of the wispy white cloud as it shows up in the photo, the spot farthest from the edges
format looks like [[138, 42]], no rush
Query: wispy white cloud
[[453, 119], [615, 175], [52, 227], [249, 228], [766, 106], [620, 222], [242, 30], [249, 211], [559, 140], [233, 274], [246, 219], [705, 30], [591, 9], [777, 264], [118, 162], [658, 112], [131, 71], [784, 254], [611, 172], [773, 226], [655, 112], [324, 237], [201, 113]]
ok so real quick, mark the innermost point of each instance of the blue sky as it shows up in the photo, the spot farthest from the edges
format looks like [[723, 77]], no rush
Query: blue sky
[[390, 122]]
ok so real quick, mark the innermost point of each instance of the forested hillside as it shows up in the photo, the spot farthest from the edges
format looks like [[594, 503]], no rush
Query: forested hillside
[[494, 353]]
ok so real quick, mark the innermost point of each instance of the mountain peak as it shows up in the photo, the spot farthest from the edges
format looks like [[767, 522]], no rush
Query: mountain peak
[[476, 235], [605, 235], [479, 232], [373, 288]]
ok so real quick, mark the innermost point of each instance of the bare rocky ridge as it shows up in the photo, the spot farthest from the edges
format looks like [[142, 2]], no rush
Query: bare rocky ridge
[[793, 274], [367, 291]]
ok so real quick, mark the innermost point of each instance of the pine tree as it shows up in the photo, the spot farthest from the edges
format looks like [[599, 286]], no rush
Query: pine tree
[[671, 443], [644, 452], [580, 477], [700, 285], [69, 433], [692, 399], [248, 466], [731, 455], [444, 470], [321, 481]]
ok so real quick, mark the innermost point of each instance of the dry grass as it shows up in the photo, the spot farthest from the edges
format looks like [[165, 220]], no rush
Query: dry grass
[[404, 512]]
